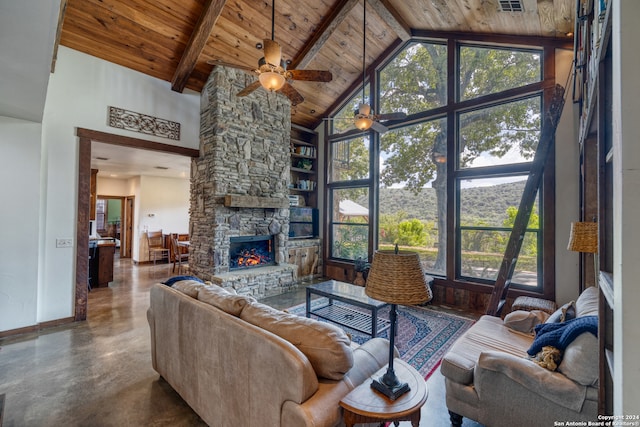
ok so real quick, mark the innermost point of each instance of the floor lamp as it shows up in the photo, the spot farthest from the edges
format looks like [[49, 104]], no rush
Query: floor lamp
[[395, 277], [584, 238]]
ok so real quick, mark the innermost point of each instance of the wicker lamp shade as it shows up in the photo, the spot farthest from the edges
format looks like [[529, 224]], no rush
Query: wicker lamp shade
[[397, 278], [583, 237]]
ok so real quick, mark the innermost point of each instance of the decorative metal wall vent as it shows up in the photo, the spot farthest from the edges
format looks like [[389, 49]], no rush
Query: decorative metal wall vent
[[138, 122], [511, 6]]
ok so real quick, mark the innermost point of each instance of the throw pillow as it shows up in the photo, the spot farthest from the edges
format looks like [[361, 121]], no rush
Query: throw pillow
[[580, 361], [587, 303], [223, 300], [326, 346], [188, 287], [227, 288], [564, 313], [525, 321]]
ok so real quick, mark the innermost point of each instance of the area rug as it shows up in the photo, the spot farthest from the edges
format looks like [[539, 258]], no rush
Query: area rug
[[424, 335]]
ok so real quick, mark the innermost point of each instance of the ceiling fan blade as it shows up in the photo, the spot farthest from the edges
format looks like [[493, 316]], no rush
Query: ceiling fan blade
[[227, 64], [391, 116], [290, 92], [247, 90], [379, 127], [311, 75], [272, 52]]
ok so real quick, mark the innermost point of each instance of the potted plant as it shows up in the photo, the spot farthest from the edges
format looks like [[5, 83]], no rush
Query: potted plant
[[305, 164]]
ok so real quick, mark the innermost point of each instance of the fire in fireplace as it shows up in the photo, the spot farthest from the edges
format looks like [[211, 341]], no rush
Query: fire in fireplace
[[251, 252]]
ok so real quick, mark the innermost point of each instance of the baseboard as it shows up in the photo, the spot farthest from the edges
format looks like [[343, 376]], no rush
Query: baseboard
[[36, 328]]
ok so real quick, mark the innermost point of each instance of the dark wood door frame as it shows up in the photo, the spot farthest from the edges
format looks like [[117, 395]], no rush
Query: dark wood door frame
[[126, 250], [85, 137]]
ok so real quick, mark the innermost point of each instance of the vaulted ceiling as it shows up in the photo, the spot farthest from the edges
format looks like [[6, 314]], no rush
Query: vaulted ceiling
[[179, 40]]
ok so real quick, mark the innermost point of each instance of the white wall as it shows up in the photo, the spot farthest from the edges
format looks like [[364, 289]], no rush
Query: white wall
[[626, 205], [567, 187], [20, 194], [79, 94], [112, 186]]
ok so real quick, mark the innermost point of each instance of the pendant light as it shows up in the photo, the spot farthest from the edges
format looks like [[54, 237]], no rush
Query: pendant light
[[363, 118]]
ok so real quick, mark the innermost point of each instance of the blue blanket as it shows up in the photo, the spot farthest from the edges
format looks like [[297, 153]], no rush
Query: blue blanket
[[560, 335]]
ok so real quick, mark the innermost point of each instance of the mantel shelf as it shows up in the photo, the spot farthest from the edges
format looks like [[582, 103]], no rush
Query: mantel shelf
[[239, 201]]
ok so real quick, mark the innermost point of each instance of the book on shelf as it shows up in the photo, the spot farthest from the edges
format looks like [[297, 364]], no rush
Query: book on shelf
[[306, 151]]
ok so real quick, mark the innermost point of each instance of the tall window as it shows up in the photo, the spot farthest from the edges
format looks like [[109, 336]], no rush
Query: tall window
[[349, 176], [413, 191], [471, 133]]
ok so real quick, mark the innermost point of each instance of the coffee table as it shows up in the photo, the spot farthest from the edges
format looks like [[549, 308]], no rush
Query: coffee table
[[365, 405], [347, 305]]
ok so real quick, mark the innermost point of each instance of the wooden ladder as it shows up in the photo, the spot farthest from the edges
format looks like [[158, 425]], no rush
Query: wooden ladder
[[503, 281]]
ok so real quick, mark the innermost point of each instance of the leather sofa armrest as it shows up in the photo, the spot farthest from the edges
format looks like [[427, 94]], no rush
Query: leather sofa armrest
[[152, 330], [550, 385], [323, 409]]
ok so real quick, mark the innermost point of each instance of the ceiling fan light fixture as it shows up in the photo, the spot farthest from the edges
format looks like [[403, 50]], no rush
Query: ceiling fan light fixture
[[271, 80], [363, 122]]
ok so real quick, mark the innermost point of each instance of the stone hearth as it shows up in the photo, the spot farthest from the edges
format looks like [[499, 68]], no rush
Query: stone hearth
[[244, 158]]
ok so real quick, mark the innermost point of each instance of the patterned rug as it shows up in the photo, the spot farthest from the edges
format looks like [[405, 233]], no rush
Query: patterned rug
[[424, 335]]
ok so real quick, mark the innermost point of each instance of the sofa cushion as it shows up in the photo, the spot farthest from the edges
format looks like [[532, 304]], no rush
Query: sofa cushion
[[188, 287], [229, 289], [487, 334], [580, 361], [587, 302], [223, 300], [326, 346], [525, 321]]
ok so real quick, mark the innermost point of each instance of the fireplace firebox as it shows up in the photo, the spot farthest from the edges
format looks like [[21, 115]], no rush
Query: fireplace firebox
[[251, 252]]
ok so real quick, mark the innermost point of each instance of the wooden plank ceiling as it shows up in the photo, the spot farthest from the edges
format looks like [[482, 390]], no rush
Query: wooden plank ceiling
[[176, 40]]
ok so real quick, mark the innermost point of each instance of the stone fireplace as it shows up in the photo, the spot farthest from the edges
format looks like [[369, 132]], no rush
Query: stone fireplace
[[239, 185]]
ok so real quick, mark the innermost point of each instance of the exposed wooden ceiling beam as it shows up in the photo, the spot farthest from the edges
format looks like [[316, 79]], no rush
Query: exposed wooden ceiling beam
[[546, 14], [322, 34], [196, 43], [393, 19], [63, 8]]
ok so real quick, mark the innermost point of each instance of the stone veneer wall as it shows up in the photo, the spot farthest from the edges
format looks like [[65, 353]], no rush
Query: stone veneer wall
[[244, 150]]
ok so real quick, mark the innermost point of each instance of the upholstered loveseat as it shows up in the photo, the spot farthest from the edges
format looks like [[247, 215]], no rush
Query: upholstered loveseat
[[491, 378], [237, 362]]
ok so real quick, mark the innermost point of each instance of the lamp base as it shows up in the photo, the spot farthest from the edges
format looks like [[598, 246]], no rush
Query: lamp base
[[391, 391]]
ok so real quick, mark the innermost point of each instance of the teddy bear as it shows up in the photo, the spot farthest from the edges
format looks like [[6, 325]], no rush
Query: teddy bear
[[548, 358]]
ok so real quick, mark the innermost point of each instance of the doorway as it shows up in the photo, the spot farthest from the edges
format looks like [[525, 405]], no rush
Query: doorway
[[86, 137], [114, 219]]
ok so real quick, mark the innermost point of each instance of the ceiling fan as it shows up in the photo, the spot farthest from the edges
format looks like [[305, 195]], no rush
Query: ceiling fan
[[364, 116], [272, 70]]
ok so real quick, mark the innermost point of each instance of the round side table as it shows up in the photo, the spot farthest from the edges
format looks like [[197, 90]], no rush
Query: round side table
[[365, 405]]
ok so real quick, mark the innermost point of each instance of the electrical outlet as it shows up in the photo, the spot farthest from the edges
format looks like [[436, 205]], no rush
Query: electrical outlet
[[64, 243]]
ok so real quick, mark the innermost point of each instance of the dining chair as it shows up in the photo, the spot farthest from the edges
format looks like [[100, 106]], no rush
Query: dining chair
[[155, 243], [178, 255]]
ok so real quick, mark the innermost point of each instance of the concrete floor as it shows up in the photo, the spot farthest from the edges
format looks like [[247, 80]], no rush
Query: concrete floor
[[98, 372]]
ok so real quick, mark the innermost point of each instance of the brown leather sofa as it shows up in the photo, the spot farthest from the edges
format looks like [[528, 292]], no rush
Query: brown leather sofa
[[490, 378], [223, 354]]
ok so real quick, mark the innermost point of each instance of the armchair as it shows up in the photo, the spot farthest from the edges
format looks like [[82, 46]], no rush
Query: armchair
[[489, 377]]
